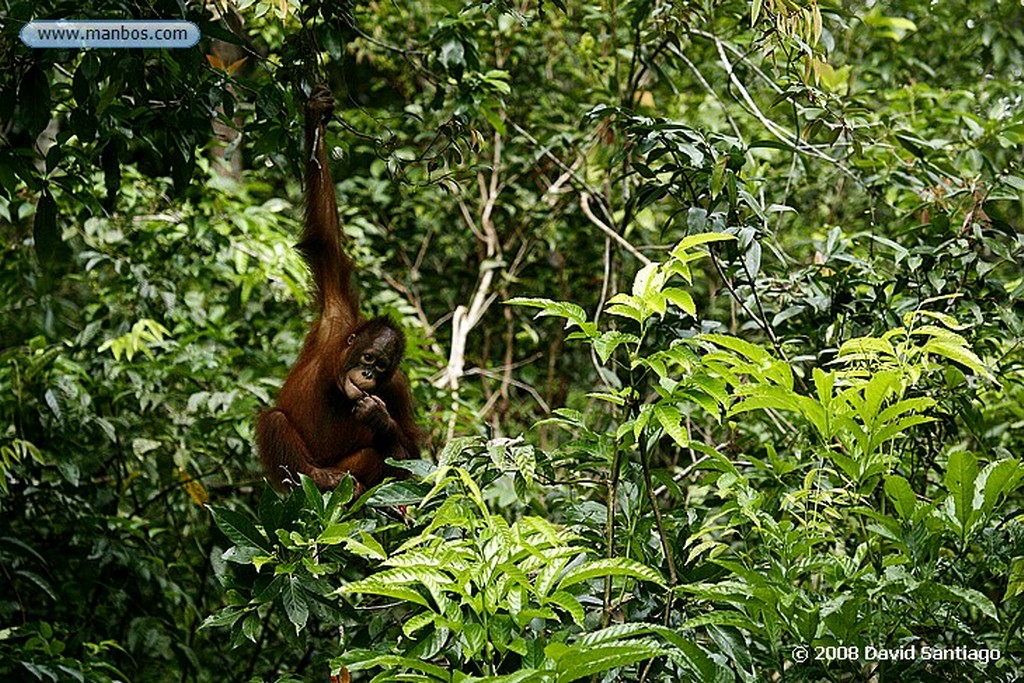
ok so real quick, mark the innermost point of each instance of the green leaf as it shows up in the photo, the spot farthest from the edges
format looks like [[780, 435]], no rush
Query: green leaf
[[1016, 182], [392, 494], [718, 175], [412, 574], [891, 27], [491, 110], [239, 529], [899, 492], [1015, 581], [614, 399], [769, 397], [682, 250], [614, 566], [608, 342], [224, 618], [548, 574], [823, 384], [341, 495], [372, 586], [876, 391], [314, 498], [961, 470], [973, 598], [46, 234], [417, 622], [905, 406], [573, 313], [959, 354], [867, 347], [593, 660], [998, 479], [523, 675], [682, 299], [895, 429], [34, 98], [747, 349], [295, 605], [721, 617], [366, 546], [615, 633], [670, 419], [706, 669], [752, 259], [251, 627], [335, 533], [569, 603], [362, 660], [626, 306], [272, 590], [901, 252], [475, 637], [453, 56], [646, 279]]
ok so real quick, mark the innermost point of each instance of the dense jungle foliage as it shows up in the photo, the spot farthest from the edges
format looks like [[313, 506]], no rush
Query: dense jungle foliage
[[715, 314]]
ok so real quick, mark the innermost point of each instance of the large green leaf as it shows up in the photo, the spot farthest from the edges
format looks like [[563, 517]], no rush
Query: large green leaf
[[961, 470], [239, 528], [899, 492], [575, 665], [686, 245], [614, 566], [295, 603]]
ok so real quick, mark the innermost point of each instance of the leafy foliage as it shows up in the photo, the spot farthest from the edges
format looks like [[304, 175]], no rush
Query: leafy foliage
[[759, 387]]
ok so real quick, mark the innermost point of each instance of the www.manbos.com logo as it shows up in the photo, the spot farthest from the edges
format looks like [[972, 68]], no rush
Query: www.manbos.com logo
[[68, 33]]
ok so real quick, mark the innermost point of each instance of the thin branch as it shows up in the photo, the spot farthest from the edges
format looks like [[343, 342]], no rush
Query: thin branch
[[464, 319], [585, 205], [763, 324], [513, 382], [609, 531], [781, 133], [578, 182], [682, 474]]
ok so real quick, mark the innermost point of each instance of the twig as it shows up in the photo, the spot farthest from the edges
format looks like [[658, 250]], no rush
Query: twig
[[763, 324], [585, 205], [775, 129], [513, 382], [682, 474]]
